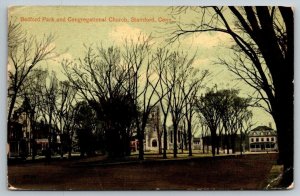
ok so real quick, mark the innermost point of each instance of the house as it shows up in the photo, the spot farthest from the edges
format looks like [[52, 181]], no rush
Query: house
[[19, 134], [197, 144], [262, 139], [26, 137]]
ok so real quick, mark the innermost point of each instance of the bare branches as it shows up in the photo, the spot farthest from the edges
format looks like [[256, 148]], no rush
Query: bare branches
[[15, 34], [179, 83], [248, 27], [25, 52]]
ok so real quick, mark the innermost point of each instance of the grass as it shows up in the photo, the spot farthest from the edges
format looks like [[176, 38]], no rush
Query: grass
[[221, 173]]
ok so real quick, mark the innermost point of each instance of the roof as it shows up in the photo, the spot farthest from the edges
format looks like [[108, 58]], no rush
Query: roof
[[262, 131], [196, 139]]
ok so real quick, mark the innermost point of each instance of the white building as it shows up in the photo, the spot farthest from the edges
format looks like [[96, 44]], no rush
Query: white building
[[262, 139]]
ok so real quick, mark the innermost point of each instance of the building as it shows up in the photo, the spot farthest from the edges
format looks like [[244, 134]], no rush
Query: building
[[153, 131], [154, 139], [262, 139], [180, 138], [19, 134], [26, 137], [197, 143], [154, 134]]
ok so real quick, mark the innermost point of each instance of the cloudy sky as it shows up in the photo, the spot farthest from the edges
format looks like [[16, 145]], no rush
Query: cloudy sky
[[119, 23]]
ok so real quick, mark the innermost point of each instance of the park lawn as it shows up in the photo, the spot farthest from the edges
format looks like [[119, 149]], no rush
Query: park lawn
[[199, 173]]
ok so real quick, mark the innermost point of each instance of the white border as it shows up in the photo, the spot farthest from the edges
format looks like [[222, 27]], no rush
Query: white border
[[3, 89]]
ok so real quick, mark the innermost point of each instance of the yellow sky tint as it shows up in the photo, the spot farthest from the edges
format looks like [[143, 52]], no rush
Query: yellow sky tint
[[71, 35]]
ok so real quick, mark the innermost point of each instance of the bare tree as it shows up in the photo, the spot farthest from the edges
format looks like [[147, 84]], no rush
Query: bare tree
[[162, 63], [16, 35], [240, 115], [264, 36], [144, 83], [50, 99], [182, 75], [190, 101], [24, 53], [64, 110], [69, 126], [32, 91], [102, 79], [245, 126]]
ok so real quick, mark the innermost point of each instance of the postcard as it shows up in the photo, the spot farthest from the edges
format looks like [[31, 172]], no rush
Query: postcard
[[150, 98]]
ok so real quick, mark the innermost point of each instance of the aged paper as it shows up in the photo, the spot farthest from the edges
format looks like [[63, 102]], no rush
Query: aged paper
[[150, 98]]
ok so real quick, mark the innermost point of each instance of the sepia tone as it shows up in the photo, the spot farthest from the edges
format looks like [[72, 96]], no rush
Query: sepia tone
[[150, 98]]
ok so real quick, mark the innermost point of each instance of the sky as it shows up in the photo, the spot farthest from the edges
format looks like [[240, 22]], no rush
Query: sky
[[119, 23]]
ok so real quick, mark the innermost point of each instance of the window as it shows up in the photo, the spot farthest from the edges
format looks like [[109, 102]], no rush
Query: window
[[272, 139], [154, 143], [252, 140], [268, 139], [272, 145], [262, 139], [257, 139]]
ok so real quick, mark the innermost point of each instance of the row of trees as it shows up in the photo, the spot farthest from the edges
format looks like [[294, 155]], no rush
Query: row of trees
[[225, 114], [47, 100], [110, 92], [123, 85], [263, 57]]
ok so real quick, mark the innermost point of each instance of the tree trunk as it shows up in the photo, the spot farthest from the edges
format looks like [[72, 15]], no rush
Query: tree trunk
[[175, 140], [218, 144], [227, 142], [190, 138], [127, 145], [281, 67], [203, 146], [70, 152], [11, 106], [165, 141], [213, 142], [207, 149], [185, 140], [159, 135], [159, 146], [241, 144], [141, 144], [70, 145], [233, 136], [284, 124]]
